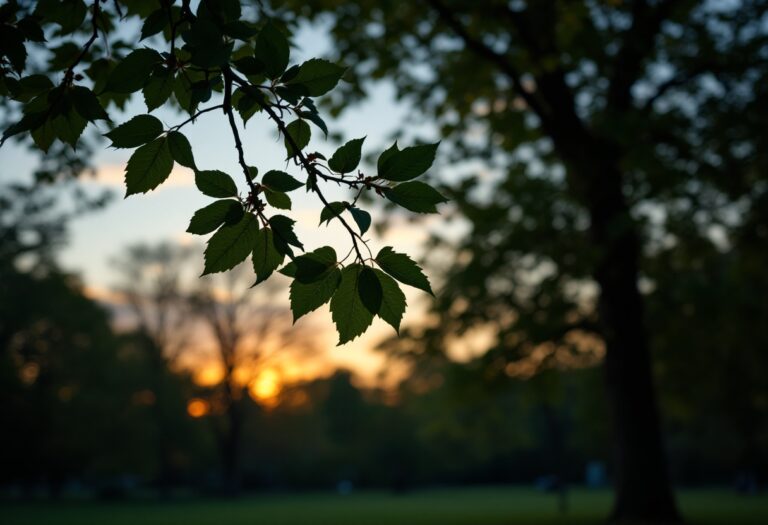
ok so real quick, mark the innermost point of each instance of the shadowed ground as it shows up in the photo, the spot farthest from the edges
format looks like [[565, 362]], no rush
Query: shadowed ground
[[480, 506]]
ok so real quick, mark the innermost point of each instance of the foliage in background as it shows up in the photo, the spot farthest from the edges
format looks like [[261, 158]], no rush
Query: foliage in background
[[603, 136]]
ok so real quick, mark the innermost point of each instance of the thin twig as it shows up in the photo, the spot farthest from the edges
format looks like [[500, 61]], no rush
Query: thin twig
[[312, 172], [69, 73], [193, 117]]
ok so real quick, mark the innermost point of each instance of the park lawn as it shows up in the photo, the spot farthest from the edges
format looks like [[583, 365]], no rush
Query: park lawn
[[470, 506]]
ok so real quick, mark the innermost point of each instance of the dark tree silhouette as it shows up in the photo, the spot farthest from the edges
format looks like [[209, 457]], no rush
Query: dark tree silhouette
[[595, 121]]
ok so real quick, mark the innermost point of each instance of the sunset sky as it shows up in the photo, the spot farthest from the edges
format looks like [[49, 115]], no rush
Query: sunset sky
[[164, 214]]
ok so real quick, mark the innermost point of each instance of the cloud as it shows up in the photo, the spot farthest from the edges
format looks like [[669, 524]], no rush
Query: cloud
[[113, 175]]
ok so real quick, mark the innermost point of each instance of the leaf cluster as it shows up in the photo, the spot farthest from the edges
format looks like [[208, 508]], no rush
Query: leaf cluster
[[191, 61]]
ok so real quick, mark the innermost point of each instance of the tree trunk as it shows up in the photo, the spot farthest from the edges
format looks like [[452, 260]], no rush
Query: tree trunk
[[230, 439], [231, 452], [642, 487]]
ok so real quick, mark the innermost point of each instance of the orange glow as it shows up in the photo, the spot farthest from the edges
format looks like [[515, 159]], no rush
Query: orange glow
[[266, 387], [198, 407], [209, 375], [29, 373]]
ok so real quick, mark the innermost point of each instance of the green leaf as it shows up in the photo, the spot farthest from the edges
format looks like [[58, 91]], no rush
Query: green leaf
[[348, 310], [133, 71], [408, 163], [386, 155], [318, 76], [278, 199], [311, 266], [247, 103], [31, 29], [280, 181], [205, 220], [206, 44], [182, 91], [158, 89], [154, 23], [215, 183], [370, 290], [136, 132], [272, 50], [231, 244], [181, 150], [362, 218], [402, 268], [314, 118], [300, 132], [392, 300], [333, 209], [31, 86], [306, 297], [69, 126], [266, 257], [148, 167], [347, 157], [87, 104], [284, 234], [28, 122], [44, 136], [415, 196]]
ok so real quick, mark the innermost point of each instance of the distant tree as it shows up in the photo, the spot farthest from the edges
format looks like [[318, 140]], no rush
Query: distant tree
[[65, 394], [604, 129], [152, 286], [67, 64], [251, 333]]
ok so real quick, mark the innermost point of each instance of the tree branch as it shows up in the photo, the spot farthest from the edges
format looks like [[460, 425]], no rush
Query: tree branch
[[477, 46], [636, 47], [312, 172]]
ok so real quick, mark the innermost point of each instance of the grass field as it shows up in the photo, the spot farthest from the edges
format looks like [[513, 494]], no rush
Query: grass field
[[472, 506]]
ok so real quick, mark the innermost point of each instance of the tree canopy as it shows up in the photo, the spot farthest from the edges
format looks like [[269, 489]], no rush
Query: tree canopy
[[607, 133]]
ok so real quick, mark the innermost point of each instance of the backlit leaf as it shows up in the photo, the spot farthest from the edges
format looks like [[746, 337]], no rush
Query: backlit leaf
[[306, 297], [148, 167], [392, 301], [333, 209], [362, 218], [415, 196], [208, 219], [408, 163], [299, 131], [347, 157], [280, 181], [277, 199], [272, 50], [87, 104], [181, 150], [215, 183], [402, 268], [131, 73], [136, 132], [318, 76], [349, 313], [231, 244], [266, 257]]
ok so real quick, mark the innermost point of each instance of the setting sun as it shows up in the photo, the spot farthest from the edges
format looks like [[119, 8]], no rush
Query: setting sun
[[208, 375], [265, 387]]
